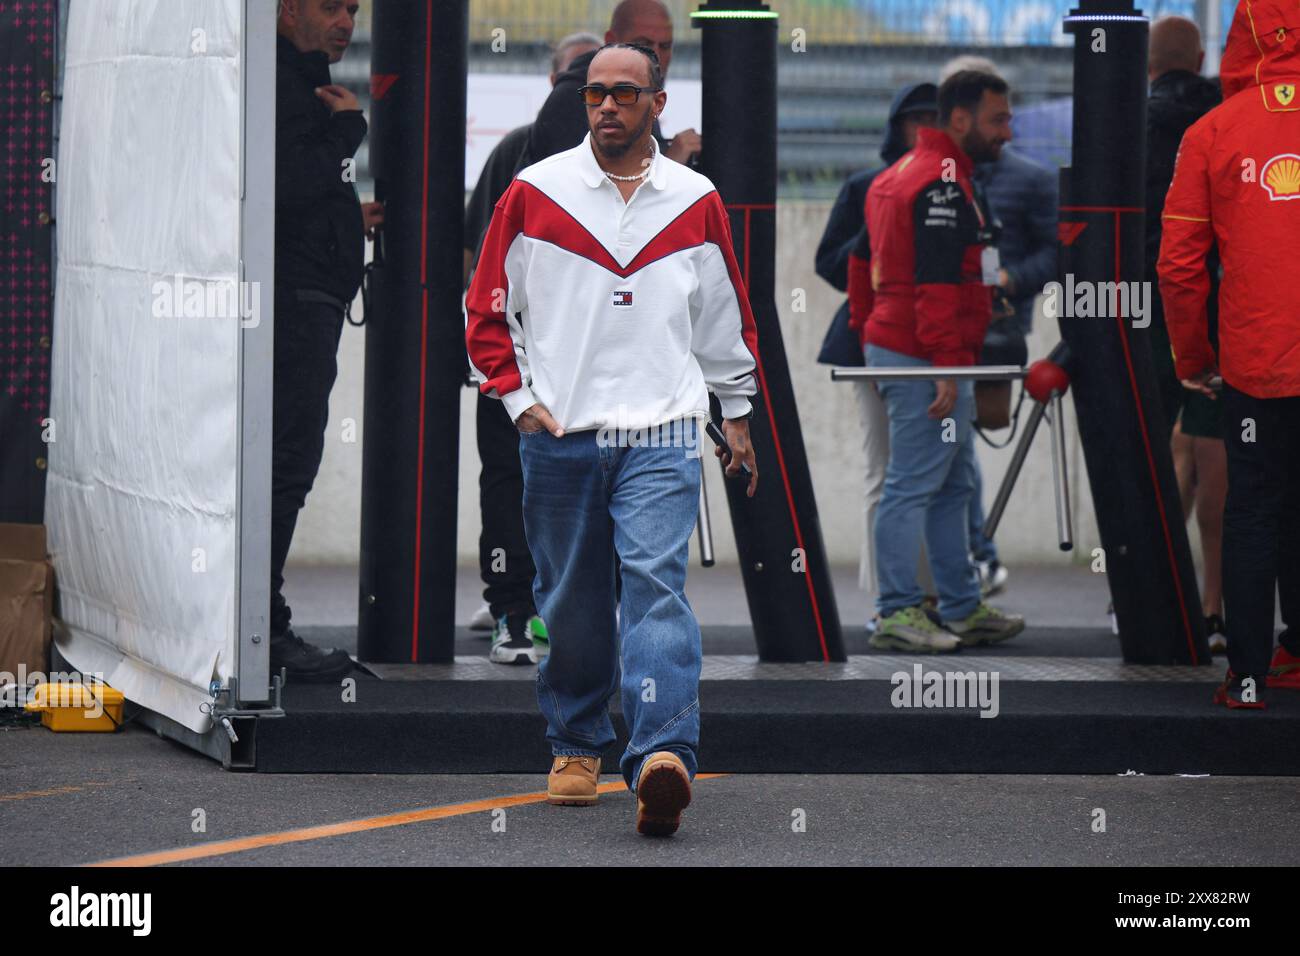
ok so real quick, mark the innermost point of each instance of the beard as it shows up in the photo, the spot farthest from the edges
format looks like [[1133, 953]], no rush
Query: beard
[[979, 149], [619, 150]]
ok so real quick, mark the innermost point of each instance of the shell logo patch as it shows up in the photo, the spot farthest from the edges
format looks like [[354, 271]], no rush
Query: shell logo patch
[[1285, 93], [1280, 177]]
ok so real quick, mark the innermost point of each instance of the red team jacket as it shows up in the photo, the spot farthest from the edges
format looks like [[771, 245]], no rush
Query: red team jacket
[[921, 292], [1237, 181]]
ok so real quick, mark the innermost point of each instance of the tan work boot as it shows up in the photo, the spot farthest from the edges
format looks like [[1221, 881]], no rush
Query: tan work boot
[[663, 792], [572, 781]]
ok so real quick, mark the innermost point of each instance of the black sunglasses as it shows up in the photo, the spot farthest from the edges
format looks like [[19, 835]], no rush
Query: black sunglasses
[[625, 94]]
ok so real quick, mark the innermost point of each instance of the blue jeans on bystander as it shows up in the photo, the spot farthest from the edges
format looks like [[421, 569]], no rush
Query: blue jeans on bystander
[[928, 486]]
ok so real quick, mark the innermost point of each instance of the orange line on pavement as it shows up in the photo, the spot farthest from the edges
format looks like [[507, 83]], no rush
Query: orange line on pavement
[[304, 834], [29, 794]]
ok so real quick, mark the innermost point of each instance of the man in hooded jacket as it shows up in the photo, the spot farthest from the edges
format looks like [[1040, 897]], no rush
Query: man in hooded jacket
[[1236, 181], [913, 107]]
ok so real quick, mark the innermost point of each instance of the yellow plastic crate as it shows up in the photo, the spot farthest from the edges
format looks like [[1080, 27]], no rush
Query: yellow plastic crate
[[77, 707]]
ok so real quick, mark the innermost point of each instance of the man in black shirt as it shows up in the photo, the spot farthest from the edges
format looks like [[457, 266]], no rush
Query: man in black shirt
[[1179, 97], [320, 228], [519, 636]]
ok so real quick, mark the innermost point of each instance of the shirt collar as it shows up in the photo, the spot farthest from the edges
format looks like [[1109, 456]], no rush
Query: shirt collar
[[593, 175]]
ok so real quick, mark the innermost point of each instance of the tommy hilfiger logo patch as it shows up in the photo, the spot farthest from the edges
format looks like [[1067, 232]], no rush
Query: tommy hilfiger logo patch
[[623, 298]]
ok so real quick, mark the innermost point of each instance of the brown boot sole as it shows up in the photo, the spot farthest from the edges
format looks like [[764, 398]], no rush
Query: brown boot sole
[[663, 792], [557, 800]]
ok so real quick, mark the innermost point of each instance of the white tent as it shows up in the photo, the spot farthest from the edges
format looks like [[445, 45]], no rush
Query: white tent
[[158, 485]]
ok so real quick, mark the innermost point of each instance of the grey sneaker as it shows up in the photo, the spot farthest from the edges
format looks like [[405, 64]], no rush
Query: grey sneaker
[[912, 630], [986, 625]]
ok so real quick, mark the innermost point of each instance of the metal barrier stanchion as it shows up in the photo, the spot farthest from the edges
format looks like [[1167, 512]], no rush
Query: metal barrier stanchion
[[982, 373], [1059, 475], [703, 525], [1046, 382], [994, 517]]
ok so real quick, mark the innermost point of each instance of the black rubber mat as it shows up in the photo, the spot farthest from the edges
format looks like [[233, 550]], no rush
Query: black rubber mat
[[739, 639], [799, 726]]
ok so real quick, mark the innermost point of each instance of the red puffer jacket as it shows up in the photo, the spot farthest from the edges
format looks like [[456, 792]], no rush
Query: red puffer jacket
[[927, 299], [1237, 181]]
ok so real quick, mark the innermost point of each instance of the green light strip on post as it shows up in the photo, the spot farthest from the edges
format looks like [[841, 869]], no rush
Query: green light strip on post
[[735, 14]]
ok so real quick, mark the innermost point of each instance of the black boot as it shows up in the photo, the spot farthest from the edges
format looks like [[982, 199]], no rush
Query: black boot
[[305, 662]]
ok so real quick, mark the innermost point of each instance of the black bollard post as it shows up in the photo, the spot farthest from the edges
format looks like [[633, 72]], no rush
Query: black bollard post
[[415, 338], [1130, 469], [778, 533]]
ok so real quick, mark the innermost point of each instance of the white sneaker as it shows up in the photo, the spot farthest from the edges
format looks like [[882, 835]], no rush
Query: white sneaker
[[993, 577], [482, 619]]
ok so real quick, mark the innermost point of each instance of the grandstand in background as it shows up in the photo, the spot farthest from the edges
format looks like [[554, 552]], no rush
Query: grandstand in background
[[834, 95]]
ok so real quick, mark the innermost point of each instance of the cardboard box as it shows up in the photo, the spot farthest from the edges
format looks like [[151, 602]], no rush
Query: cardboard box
[[26, 600]]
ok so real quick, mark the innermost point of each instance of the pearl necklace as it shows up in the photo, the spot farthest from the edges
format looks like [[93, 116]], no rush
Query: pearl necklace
[[654, 149], [628, 179]]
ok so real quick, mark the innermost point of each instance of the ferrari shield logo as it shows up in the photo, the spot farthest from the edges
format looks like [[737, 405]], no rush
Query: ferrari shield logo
[[1285, 93]]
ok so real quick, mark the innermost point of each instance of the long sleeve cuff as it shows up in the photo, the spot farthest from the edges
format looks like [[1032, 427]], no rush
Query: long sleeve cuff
[[518, 401], [736, 406]]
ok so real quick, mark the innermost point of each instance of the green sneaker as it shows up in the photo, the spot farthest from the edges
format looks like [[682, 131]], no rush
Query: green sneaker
[[541, 639], [912, 630], [986, 625]]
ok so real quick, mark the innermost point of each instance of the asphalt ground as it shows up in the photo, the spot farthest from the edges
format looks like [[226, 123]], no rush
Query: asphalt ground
[[88, 798]]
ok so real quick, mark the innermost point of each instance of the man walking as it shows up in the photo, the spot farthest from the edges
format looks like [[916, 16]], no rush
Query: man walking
[[932, 263], [320, 229], [1234, 181], [608, 296]]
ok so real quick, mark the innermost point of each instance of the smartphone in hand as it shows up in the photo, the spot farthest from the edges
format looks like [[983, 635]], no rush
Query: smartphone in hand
[[721, 441]]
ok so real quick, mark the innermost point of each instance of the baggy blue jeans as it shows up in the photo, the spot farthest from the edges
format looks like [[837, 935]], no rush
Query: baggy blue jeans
[[928, 485], [586, 498]]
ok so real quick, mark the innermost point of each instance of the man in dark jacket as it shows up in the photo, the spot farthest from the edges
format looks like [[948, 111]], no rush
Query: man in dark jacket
[[320, 229], [913, 107], [932, 262], [1179, 97], [562, 121], [518, 634]]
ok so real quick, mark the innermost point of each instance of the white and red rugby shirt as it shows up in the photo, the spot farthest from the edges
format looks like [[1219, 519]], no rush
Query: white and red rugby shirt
[[610, 314]]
